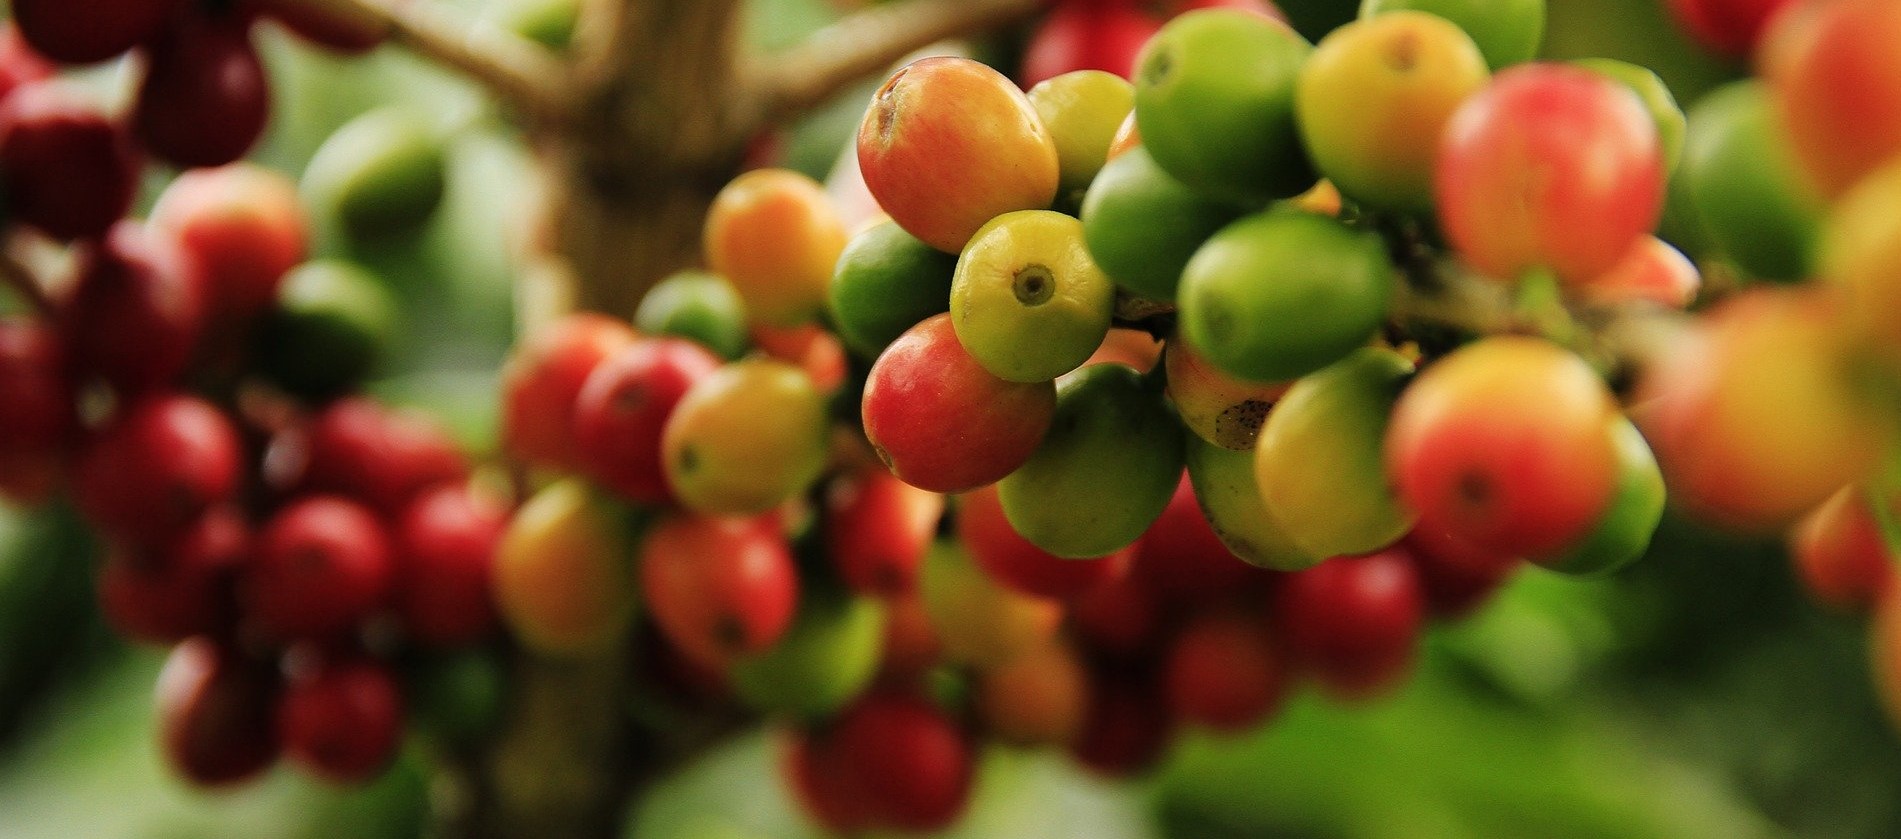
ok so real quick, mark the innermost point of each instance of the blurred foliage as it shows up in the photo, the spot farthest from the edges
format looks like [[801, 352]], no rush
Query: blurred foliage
[[1694, 695]]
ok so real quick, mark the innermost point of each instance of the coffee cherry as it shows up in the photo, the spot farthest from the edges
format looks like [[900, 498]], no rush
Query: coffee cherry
[[381, 176], [104, 29], [909, 646], [1653, 271], [1091, 36], [168, 593], [1182, 559], [1229, 492], [1623, 534], [1455, 581], [542, 381], [1861, 255], [886, 282], [206, 99], [1730, 27], [1122, 619], [562, 577], [942, 422], [719, 588], [775, 236], [38, 396], [341, 717], [1352, 622], [68, 170], [809, 347], [1217, 407], [826, 657], [359, 449], [1082, 110], [244, 227], [978, 621], [1027, 300], [1657, 99], [1839, 92], [19, 64], [623, 408], [1142, 225], [1550, 167], [1746, 187], [942, 172], [745, 438], [825, 784], [157, 468], [322, 566], [1505, 444], [1127, 729], [214, 712], [445, 544], [700, 307], [1840, 554], [1506, 31], [1223, 672], [877, 529], [1038, 698], [329, 331], [136, 312], [910, 759], [1014, 562]]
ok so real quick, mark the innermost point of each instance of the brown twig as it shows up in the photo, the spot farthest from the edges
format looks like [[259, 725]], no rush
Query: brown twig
[[866, 42]]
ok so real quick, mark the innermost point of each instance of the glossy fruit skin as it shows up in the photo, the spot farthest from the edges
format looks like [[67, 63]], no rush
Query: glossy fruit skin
[[826, 658], [886, 281], [941, 422], [1839, 92], [166, 594], [623, 407], [877, 529], [329, 330], [1103, 37], [107, 29], [1104, 472], [1027, 300], [1623, 534], [1014, 562], [949, 144], [359, 449], [1036, 699], [137, 311], [543, 379], [1840, 555], [1328, 297], [445, 543], [775, 236], [1506, 32], [322, 565], [1353, 623], [1142, 225], [68, 170], [206, 99], [341, 718], [39, 419], [719, 588], [1552, 167], [1229, 493], [563, 577], [1654, 271], [1374, 98], [1223, 672], [1082, 110], [978, 621], [745, 438], [1214, 98], [158, 467], [698, 306], [1319, 460], [1505, 444], [1746, 186], [381, 176], [245, 227], [1657, 99], [214, 713]]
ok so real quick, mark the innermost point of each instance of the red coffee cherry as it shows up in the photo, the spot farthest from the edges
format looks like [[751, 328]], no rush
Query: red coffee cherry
[[825, 784], [1184, 561], [623, 407], [341, 717], [1120, 618], [184, 588], [136, 312], [877, 529], [322, 566], [157, 468], [1456, 579], [68, 170], [719, 588], [1840, 555], [1223, 672], [1352, 622], [206, 99], [1087, 36], [214, 713], [445, 552], [362, 450], [1012, 561], [1127, 730], [909, 759], [19, 64], [60, 30], [34, 388], [542, 381], [245, 228]]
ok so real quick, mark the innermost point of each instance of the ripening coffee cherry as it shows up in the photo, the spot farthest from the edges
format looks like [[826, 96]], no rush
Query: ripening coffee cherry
[[34, 387], [827, 657], [381, 176], [1142, 225], [206, 99], [157, 468], [1229, 491], [215, 713], [940, 171], [445, 543], [1657, 99], [68, 170], [1320, 459], [912, 761], [1839, 91], [910, 646], [329, 331], [1214, 97], [1840, 554], [246, 229], [359, 449], [700, 307], [1127, 729], [1730, 27], [1224, 672], [877, 529], [745, 438], [624, 406], [1456, 581], [1087, 36], [338, 29], [167, 593], [1861, 255], [1653, 271], [1217, 407], [810, 348], [1374, 98], [1122, 619], [322, 565], [1036, 699], [1082, 110], [1506, 444], [1623, 533], [1746, 187], [563, 575], [1549, 167], [886, 282], [136, 312], [1183, 560], [543, 379], [1352, 623], [1255, 318], [825, 784], [775, 236], [105, 28], [1104, 472], [1014, 562], [942, 422], [719, 588], [978, 621], [1506, 31], [1027, 300], [340, 717]]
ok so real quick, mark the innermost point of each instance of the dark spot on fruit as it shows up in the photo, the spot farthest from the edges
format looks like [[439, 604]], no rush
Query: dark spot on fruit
[[630, 399], [689, 459], [1034, 285], [729, 633], [1475, 489], [1402, 53], [1159, 67], [310, 561], [886, 104], [1236, 427]]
